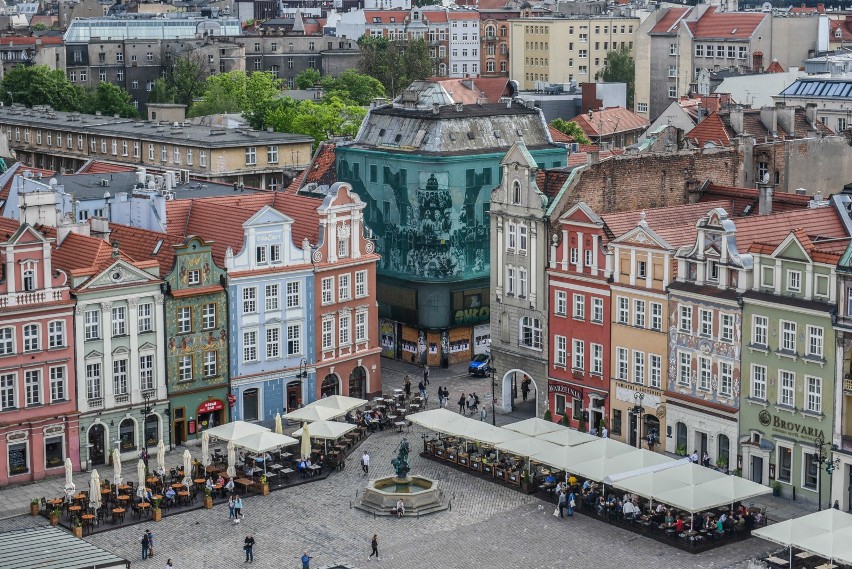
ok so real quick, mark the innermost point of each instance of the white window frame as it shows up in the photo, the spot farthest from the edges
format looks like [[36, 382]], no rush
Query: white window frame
[[597, 364], [760, 330], [639, 313], [787, 342], [560, 351], [145, 317], [579, 307], [705, 322], [622, 364], [786, 388], [272, 297], [119, 321], [684, 370], [578, 355], [249, 346], [273, 342], [327, 288], [684, 323], [813, 394], [597, 310], [561, 303], [623, 310], [794, 281], [726, 378], [705, 373], [816, 341], [249, 300], [655, 365], [638, 367], [360, 284]]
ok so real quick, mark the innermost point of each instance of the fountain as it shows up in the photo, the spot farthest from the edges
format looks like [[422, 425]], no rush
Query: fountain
[[419, 494]]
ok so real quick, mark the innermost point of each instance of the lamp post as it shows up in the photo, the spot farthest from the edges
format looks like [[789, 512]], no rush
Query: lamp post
[[830, 465], [638, 412], [146, 410], [493, 385], [302, 375]]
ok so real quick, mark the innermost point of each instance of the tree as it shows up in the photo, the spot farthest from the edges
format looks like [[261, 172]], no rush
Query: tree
[[572, 129], [236, 92], [331, 117], [352, 86], [161, 92], [307, 78], [110, 99], [621, 69], [184, 74], [395, 64], [40, 85]]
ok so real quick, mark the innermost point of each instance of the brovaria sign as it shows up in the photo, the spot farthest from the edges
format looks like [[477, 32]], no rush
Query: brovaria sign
[[789, 427]]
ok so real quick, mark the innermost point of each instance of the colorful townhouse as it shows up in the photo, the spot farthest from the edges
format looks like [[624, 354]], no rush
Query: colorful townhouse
[[579, 376], [786, 414], [39, 422], [344, 263], [196, 315], [270, 293]]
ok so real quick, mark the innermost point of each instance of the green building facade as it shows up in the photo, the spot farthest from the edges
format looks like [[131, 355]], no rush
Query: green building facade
[[196, 316], [788, 367]]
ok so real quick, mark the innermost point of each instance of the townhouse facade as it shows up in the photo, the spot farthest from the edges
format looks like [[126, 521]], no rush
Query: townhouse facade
[[464, 43], [494, 42], [403, 26], [39, 422]]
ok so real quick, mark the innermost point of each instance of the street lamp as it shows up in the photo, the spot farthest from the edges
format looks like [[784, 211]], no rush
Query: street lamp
[[638, 412], [493, 384], [303, 369], [146, 410], [820, 459]]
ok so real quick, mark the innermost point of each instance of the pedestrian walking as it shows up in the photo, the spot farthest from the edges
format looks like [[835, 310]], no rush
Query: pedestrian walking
[[144, 545], [231, 508], [562, 504], [407, 386], [422, 389], [375, 547], [461, 403], [238, 508], [525, 388], [483, 413], [169, 564], [306, 560], [425, 375], [365, 463], [604, 433], [446, 397], [248, 545], [150, 543], [571, 503]]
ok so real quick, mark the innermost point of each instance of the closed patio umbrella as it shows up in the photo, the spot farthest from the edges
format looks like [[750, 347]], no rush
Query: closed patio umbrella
[[205, 450], [161, 457], [116, 467], [187, 468], [279, 428], [69, 481], [306, 441], [95, 490], [140, 474], [232, 460]]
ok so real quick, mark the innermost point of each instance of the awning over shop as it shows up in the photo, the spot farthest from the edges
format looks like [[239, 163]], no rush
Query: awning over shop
[[535, 427], [264, 442], [327, 430], [827, 533], [235, 430]]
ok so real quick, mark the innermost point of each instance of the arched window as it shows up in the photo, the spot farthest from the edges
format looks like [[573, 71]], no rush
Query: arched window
[[28, 276], [152, 430], [358, 383], [330, 386], [680, 432], [724, 451], [490, 31], [516, 192], [127, 435], [250, 405]]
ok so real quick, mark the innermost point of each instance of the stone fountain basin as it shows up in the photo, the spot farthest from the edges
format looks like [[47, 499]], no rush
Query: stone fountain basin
[[416, 492]]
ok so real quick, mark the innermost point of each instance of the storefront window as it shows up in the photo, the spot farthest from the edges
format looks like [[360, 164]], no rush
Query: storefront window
[[53, 452], [18, 459], [330, 386], [785, 464], [560, 404], [681, 438], [127, 435], [811, 470], [616, 421], [724, 451], [358, 383], [578, 409], [250, 405], [152, 430]]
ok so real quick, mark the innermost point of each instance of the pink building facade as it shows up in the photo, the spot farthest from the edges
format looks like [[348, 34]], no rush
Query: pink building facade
[[38, 411]]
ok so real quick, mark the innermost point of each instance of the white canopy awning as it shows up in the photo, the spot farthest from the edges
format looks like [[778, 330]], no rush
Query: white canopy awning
[[565, 458], [479, 431], [326, 430], [311, 414], [338, 403], [600, 468], [263, 442], [437, 420], [827, 533], [653, 484], [235, 430], [534, 427], [525, 446], [616, 478], [568, 437]]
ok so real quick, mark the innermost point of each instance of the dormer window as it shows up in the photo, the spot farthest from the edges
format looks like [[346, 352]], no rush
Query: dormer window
[[713, 271], [28, 276], [194, 277], [516, 192], [261, 255]]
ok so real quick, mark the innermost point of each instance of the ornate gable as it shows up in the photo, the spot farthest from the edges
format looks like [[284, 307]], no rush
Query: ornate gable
[[120, 273], [267, 216]]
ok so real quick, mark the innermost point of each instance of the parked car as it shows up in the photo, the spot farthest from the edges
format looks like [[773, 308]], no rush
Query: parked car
[[480, 366]]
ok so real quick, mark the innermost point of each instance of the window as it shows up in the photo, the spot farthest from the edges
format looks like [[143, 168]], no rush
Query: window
[[7, 391], [642, 269], [31, 340], [639, 313], [656, 365], [294, 297], [202, 158], [597, 359], [93, 381], [638, 367], [579, 355], [57, 384], [815, 341], [32, 387], [672, 70], [250, 346], [510, 281], [17, 459], [260, 254], [699, 50], [361, 326], [119, 377], [621, 364], [561, 302], [786, 388], [760, 331], [672, 92], [726, 378], [530, 332], [194, 277], [727, 327], [119, 321], [685, 321], [360, 284], [704, 373], [516, 192], [641, 107], [271, 297], [758, 382], [164, 153], [273, 342], [7, 341], [251, 156], [785, 464], [146, 372], [185, 368], [522, 237], [684, 374], [522, 283], [184, 319], [29, 281], [810, 466], [343, 290], [561, 351], [597, 310], [210, 364], [705, 317], [146, 322], [208, 316], [672, 49], [294, 339], [512, 236], [794, 281], [720, 51], [623, 310], [249, 300], [342, 245], [327, 333], [813, 397], [579, 306], [788, 336], [343, 329], [189, 157], [328, 290]]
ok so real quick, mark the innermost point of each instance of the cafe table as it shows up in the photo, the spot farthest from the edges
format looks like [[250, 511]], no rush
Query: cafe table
[[88, 521], [827, 566], [177, 486], [55, 501], [123, 498], [124, 487], [184, 496], [804, 555], [152, 480], [118, 514], [144, 507], [73, 510], [245, 483]]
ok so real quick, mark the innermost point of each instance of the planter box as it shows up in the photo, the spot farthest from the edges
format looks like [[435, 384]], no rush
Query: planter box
[[208, 502], [34, 508], [78, 532], [487, 469], [157, 514], [440, 453], [264, 489], [54, 520]]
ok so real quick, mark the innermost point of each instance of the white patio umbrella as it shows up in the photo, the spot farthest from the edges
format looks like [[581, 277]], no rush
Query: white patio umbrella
[[338, 403], [69, 480], [317, 413], [279, 428], [95, 490], [116, 467], [306, 441], [140, 474], [327, 430], [161, 457], [205, 449], [232, 460], [187, 468]]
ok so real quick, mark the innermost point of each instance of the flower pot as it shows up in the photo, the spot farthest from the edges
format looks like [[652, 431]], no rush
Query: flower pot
[[54, 519], [264, 489], [78, 531], [157, 513], [34, 508], [208, 502]]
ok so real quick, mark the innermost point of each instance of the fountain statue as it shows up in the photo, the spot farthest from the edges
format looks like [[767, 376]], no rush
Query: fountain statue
[[401, 463]]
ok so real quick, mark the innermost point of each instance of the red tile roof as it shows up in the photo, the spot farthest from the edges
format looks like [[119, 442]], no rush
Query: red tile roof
[[669, 22], [31, 40], [551, 181], [711, 130], [726, 25], [582, 157], [140, 244], [774, 67], [321, 170], [818, 223], [804, 9], [558, 135], [96, 167], [663, 219], [463, 15], [609, 121], [81, 255], [844, 27], [741, 198]]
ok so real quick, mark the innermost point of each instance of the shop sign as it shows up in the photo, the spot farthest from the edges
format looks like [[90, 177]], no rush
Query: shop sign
[[566, 389], [16, 436], [54, 430], [232, 399], [788, 427], [627, 395], [210, 406]]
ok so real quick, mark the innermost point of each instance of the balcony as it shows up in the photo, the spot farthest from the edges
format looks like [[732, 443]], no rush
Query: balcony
[[122, 399], [29, 298], [96, 403], [490, 37], [847, 385]]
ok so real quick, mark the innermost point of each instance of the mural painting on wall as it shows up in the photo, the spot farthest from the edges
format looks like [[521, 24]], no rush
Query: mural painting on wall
[[388, 331]]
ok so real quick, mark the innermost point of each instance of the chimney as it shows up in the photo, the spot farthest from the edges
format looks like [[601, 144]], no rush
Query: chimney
[[115, 253], [736, 118], [594, 156], [100, 228], [769, 119], [811, 113], [764, 200]]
